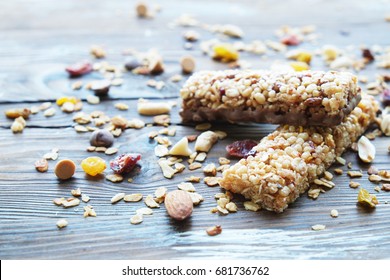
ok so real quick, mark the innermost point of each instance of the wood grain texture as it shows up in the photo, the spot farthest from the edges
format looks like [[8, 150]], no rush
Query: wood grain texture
[[33, 54]]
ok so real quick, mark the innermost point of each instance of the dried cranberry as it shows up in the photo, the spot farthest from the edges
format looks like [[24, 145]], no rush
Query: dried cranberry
[[79, 69], [241, 148], [366, 53], [291, 40], [386, 97], [124, 163]]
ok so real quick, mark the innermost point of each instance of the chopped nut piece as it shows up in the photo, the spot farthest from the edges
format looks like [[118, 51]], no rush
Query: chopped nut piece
[[93, 99], [100, 149], [318, 227], [76, 192], [163, 141], [136, 219], [179, 167], [201, 157], [135, 197], [372, 170], [97, 51], [211, 181], [334, 213], [324, 182], [251, 206], [386, 187], [59, 201], [231, 207], [161, 151], [205, 141], [80, 128], [195, 165], [85, 198], [193, 179], [160, 192], [162, 120], [62, 223], [115, 178], [353, 184], [354, 174], [338, 171], [210, 169], [167, 170], [181, 148], [135, 123], [203, 126], [188, 187], [150, 202], [41, 165], [89, 211], [117, 197], [366, 149], [223, 161], [215, 230], [121, 106], [150, 108]]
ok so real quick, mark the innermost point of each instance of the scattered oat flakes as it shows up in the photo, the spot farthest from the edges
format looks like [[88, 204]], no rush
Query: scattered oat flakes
[[76, 192], [353, 184], [62, 223], [161, 151], [111, 151], [89, 211], [341, 160], [222, 210], [193, 179], [386, 187], [135, 123], [375, 178], [117, 197], [144, 211], [201, 157], [85, 198], [354, 174], [100, 149], [318, 227], [97, 51], [196, 198], [194, 166], [377, 189], [188, 187], [221, 134], [223, 161], [160, 192], [338, 171], [121, 106], [150, 202], [77, 85], [210, 169], [231, 207], [93, 99], [314, 192], [115, 178], [211, 181], [215, 230], [251, 206], [334, 213], [136, 219], [135, 197], [71, 202], [203, 126], [328, 176], [167, 170], [80, 128], [372, 170], [176, 78], [49, 112], [59, 201], [179, 167]]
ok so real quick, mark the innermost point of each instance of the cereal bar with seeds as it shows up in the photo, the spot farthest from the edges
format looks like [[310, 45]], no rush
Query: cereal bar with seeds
[[294, 98], [286, 161]]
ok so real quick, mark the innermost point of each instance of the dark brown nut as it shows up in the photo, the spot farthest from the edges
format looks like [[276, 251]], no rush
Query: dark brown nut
[[100, 87], [41, 165], [65, 169], [18, 112], [179, 204], [367, 54], [101, 138]]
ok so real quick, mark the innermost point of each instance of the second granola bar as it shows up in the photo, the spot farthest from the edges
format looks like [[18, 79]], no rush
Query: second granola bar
[[295, 98]]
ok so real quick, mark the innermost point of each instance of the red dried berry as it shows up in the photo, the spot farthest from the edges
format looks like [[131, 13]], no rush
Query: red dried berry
[[291, 40], [241, 148], [79, 69], [124, 163]]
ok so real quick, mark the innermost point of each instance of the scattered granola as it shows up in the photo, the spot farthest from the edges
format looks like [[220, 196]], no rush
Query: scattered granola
[[354, 185], [251, 206], [150, 202], [334, 213], [136, 219], [118, 197], [115, 178], [188, 187], [194, 166], [211, 181], [62, 223], [354, 174], [318, 227], [135, 197]]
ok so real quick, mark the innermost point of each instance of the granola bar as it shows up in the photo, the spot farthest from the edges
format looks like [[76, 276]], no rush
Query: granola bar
[[295, 98], [286, 161]]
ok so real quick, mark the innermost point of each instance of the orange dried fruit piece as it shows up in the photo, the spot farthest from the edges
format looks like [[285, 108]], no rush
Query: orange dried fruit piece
[[93, 165], [367, 199]]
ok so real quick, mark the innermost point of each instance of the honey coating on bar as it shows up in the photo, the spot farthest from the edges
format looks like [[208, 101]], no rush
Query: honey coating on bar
[[296, 98], [289, 159]]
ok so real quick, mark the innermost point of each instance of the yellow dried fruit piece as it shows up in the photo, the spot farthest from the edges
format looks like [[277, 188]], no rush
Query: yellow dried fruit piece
[[60, 101], [93, 165], [304, 57], [299, 66], [225, 52], [367, 199]]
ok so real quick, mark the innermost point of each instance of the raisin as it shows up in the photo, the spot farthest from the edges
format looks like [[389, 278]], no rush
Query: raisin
[[291, 40], [385, 97], [79, 69], [124, 163], [367, 54], [242, 148]]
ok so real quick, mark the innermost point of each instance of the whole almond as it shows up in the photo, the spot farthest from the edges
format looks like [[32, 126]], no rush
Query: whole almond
[[178, 204]]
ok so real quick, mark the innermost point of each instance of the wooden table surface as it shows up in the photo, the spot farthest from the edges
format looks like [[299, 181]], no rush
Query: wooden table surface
[[38, 39]]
